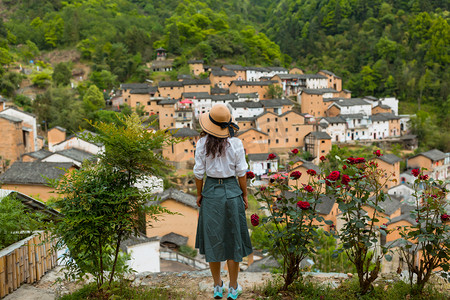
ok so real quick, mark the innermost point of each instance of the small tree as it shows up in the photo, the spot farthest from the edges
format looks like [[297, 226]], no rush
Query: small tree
[[358, 186], [429, 239], [102, 205], [293, 218], [274, 91]]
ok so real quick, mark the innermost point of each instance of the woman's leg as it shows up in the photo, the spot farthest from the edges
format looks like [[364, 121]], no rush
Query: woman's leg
[[215, 271], [233, 271]]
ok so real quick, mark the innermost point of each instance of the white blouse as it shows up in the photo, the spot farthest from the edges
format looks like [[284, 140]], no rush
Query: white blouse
[[231, 163]]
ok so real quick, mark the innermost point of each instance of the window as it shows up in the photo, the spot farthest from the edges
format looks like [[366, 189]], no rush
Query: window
[[186, 151], [276, 119], [276, 141], [286, 119], [323, 142], [276, 129], [268, 119], [171, 124], [148, 102], [287, 140], [269, 141], [296, 129], [166, 115], [286, 130], [323, 151], [268, 129], [296, 140]]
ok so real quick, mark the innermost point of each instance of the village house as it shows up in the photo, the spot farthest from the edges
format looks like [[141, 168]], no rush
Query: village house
[[224, 99], [244, 87], [381, 108], [221, 78], [14, 139], [405, 191], [166, 116], [56, 135], [161, 64], [183, 224], [286, 131], [29, 178], [254, 140], [317, 143], [296, 70], [202, 102], [260, 164], [181, 154], [334, 81], [77, 141], [278, 106], [181, 77], [184, 114], [335, 127], [126, 89], [245, 109], [255, 73], [434, 161], [196, 66], [379, 121], [170, 89], [246, 123], [292, 84], [196, 85], [73, 155], [390, 164], [238, 69], [341, 106], [316, 101], [219, 91], [29, 127], [248, 97]]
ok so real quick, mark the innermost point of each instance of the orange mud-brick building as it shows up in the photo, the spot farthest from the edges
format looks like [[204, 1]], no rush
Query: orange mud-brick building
[[433, 161], [318, 143], [196, 85], [56, 135], [182, 153], [246, 87], [170, 89], [221, 78], [184, 223], [196, 66], [254, 141], [278, 106], [14, 140], [390, 164], [241, 73], [334, 81], [29, 178]]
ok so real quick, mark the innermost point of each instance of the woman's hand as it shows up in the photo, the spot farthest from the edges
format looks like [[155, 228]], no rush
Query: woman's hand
[[245, 201], [199, 200]]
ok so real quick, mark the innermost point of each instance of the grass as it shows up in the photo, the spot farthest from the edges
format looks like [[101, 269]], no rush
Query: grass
[[123, 290], [347, 291]]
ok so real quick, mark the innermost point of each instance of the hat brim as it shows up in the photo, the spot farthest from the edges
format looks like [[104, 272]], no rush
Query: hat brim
[[211, 128]]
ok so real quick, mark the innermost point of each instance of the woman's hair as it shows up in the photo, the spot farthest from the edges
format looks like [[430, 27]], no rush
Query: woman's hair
[[215, 146]]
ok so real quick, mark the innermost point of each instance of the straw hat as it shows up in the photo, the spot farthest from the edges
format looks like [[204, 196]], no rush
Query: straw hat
[[218, 122]]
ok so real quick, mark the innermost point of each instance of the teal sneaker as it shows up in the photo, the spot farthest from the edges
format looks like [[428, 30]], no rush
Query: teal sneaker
[[234, 293], [218, 291]]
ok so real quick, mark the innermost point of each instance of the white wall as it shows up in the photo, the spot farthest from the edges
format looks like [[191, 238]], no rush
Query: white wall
[[402, 190], [244, 112], [78, 144], [337, 129], [316, 83], [380, 128], [357, 109], [392, 102], [61, 159], [260, 167], [144, 257]]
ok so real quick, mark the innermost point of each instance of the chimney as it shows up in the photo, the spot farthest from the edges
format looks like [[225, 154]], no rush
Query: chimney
[[54, 136]]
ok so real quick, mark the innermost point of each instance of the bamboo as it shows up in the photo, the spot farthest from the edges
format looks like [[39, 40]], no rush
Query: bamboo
[[2, 277]]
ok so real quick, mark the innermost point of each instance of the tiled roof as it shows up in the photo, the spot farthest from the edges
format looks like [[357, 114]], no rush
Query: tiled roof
[[246, 104], [197, 95], [319, 91], [60, 128], [276, 102], [370, 98], [245, 119], [30, 202], [434, 155], [231, 97], [234, 67], [179, 196], [383, 117], [147, 90], [218, 90], [174, 238], [350, 102], [127, 86], [321, 135], [258, 156], [254, 83], [391, 204], [335, 120], [10, 118], [301, 76], [205, 81], [277, 69], [309, 165], [257, 69], [247, 95], [390, 158], [183, 132], [195, 61], [33, 172], [170, 84], [168, 101], [329, 73], [76, 154], [184, 76], [18, 110], [40, 154], [352, 116], [220, 72]]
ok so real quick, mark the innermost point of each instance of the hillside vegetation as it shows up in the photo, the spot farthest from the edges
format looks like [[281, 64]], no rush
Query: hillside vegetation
[[381, 47]]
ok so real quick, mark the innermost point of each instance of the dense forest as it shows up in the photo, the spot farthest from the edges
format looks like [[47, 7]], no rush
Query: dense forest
[[382, 47]]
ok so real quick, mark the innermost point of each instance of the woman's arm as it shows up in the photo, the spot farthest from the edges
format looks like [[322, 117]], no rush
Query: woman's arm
[[199, 184], [243, 184]]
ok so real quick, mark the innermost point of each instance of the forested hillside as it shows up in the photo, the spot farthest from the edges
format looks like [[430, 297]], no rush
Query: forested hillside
[[382, 47]]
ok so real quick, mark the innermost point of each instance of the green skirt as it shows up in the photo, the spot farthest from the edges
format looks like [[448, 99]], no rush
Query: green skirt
[[222, 232]]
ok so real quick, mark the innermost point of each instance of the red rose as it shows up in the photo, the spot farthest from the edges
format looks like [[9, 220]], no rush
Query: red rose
[[351, 160], [345, 179], [250, 175], [254, 219], [296, 174], [360, 160], [295, 151], [263, 188], [334, 176], [309, 188], [271, 156], [423, 177], [303, 205], [322, 158], [311, 172], [344, 167], [445, 217], [415, 172], [377, 153]]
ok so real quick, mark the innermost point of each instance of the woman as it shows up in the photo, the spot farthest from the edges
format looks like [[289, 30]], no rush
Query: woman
[[222, 233]]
